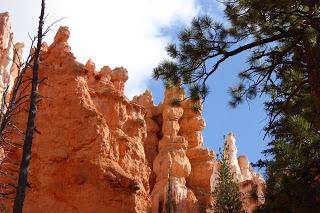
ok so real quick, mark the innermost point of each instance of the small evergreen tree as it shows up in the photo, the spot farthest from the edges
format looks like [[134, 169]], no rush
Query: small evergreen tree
[[226, 192], [282, 40]]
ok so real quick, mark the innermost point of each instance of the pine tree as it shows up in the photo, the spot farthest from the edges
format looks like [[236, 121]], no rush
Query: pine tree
[[226, 192], [272, 31], [293, 183], [282, 39]]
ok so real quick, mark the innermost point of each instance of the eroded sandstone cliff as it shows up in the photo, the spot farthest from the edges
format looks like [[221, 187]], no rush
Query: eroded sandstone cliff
[[10, 53], [97, 151]]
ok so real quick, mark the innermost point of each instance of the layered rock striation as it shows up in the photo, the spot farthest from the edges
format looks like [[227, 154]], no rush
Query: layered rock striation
[[97, 151]]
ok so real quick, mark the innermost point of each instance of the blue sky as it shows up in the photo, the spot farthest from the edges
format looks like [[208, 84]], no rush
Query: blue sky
[[246, 121], [133, 34]]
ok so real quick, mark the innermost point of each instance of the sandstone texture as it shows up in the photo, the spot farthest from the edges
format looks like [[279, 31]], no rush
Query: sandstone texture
[[97, 151], [252, 184], [10, 54]]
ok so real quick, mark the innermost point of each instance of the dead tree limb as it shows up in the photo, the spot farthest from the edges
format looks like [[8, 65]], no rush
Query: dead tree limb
[[26, 153]]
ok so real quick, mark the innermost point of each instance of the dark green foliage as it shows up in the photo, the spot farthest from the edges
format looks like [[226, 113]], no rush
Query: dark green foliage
[[275, 33], [226, 193], [175, 102], [196, 107], [282, 39], [293, 175]]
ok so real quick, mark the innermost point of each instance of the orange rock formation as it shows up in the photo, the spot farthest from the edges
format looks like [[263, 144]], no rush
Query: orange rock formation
[[100, 152], [10, 57]]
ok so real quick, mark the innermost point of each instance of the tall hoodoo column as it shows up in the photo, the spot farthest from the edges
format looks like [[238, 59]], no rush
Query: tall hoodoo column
[[230, 152], [202, 160], [153, 119], [8, 53], [172, 159], [192, 123], [5, 39], [5, 46], [17, 61], [249, 181], [245, 168]]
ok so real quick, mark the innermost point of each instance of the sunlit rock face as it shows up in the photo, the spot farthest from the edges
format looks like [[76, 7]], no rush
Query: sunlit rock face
[[252, 185], [5, 47], [10, 54], [5, 39], [89, 156], [10, 60], [97, 151], [172, 165], [230, 153]]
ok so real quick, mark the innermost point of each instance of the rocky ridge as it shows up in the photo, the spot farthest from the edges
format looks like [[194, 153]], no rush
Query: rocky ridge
[[100, 152]]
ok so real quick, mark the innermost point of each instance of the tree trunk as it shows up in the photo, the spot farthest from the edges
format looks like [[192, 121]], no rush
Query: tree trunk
[[313, 69], [313, 58], [24, 166]]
